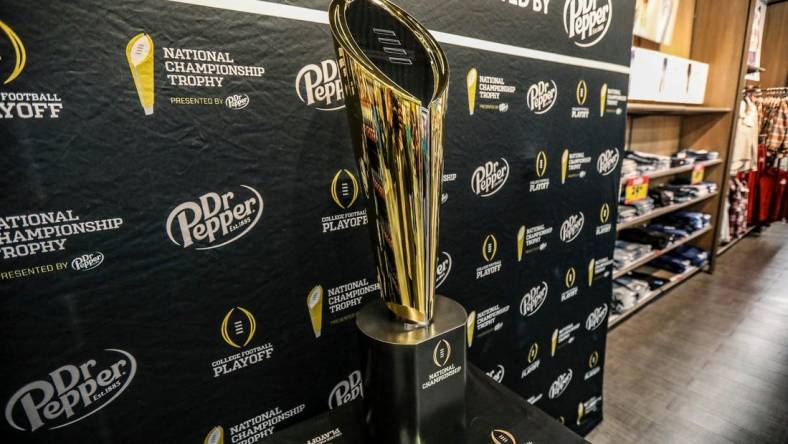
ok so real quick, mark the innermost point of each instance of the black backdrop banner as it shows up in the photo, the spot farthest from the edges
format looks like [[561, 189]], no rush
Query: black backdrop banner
[[183, 242]]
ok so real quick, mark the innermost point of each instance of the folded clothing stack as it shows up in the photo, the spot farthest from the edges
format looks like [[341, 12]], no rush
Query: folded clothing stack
[[681, 259], [654, 282], [629, 168], [697, 155], [628, 252], [626, 212], [658, 239], [647, 162], [674, 193], [690, 221], [644, 206], [623, 299]]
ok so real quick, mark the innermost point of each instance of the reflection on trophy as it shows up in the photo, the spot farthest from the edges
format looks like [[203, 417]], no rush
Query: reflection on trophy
[[564, 165], [139, 53], [591, 269], [603, 100], [215, 436], [396, 78], [472, 81], [314, 303], [520, 243], [471, 327], [554, 343]]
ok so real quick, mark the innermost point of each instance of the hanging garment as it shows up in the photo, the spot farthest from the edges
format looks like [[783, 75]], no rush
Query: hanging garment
[[776, 136], [745, 145]]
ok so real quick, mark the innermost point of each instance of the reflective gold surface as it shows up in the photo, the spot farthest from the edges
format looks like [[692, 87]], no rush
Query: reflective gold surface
[[398, 141]]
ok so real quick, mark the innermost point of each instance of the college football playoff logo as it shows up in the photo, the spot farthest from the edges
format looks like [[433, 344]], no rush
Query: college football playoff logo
[[20, 54], [442, 353], [238, 327], [499, 436], [489, 248], [344, 189]]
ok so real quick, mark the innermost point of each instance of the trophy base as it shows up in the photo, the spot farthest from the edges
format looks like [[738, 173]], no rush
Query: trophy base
[[414, 383]]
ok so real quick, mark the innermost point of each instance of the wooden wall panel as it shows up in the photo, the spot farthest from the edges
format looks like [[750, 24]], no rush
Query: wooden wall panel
[[655, 134], [774, 57]]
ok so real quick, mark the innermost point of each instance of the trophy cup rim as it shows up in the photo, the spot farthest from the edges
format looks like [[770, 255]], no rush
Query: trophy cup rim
[[438, 61]]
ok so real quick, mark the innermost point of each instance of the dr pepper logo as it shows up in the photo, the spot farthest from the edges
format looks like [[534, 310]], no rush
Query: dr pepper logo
[[490, 178], [72, 392], [214, 220], [320, 87], [587, 21]]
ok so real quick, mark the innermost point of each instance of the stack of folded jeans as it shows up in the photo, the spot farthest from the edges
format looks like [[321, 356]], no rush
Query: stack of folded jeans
[[696, 256], [689, 221], [677, 192], [628, 252], [679, 233], [672, 263], [647, 162]]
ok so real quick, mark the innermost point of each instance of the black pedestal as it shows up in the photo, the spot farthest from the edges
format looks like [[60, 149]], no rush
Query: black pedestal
[[414, 382], [491, 407]]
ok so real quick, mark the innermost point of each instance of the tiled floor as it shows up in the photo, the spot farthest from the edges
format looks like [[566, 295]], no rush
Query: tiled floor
[[708, 362]]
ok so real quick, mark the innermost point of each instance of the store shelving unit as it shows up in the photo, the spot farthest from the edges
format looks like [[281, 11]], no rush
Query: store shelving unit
[[716, 33], [661, 211], [677, 279], [730, 244], [673, 171], [617, 273], [645, 109]]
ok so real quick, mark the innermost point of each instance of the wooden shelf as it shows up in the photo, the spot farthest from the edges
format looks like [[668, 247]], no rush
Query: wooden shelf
[[652, 296], [655, 254], [673, 171], [634, 108], [661, 211]]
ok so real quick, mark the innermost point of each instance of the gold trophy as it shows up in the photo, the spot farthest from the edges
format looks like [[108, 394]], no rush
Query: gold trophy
[[396, 79], [471, 327], [591, 270], [139, 53], [215, 436], [564, 166], [472, 81], [554, 342], [314, 302], [520, 243], [603, 100]]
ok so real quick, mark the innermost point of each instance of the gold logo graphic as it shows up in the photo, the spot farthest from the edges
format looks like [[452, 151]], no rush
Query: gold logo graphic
[[561, 420], [603, 100], [344, 189], [442, 353], [139, 54], [240, 328], [20, 54], [533, 352], [471, 326], [472, 81], [581, 410], [215, 436], [489, 248], [593, 360], [604, 213], [554, 342], [582, 92], [591, 272], [570, 277], [541, 164], [564, 165], [502, 437], [520, 243], [314, 302]]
